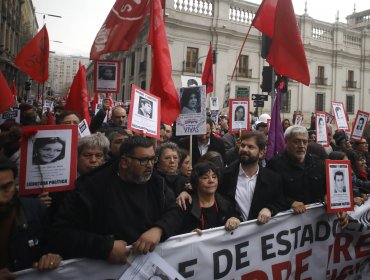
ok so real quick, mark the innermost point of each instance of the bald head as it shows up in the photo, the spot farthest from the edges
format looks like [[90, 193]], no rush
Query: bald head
[[119, 116]]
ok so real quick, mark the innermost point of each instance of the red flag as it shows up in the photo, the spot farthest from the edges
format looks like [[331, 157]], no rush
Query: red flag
[[14, 89], [95, 101], [33, 59], [162, 84], [77, 97], [276, 19], [50, 118], [207, 76], [6, 97], [121, 27]]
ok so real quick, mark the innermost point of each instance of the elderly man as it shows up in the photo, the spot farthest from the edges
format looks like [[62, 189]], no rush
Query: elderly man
[[23, 225], [258, 192], [92, 151], [118, 118], [122, 203], [303, 174]]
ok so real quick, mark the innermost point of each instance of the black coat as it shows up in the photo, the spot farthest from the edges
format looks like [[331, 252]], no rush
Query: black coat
[[193, 215], [268, 192], [104, 208], [304, 183], [215, 144], [28, 234]]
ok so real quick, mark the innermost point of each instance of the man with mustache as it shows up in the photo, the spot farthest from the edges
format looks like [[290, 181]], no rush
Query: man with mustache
[[121, 203], [257, 191], [303, 174]]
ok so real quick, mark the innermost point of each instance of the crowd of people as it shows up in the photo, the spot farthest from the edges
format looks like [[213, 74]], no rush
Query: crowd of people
[[138, 191]]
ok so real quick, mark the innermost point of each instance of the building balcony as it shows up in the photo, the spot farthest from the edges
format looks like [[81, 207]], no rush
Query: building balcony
[[243, 73], [321, 81], [192, 67], [351, 84]]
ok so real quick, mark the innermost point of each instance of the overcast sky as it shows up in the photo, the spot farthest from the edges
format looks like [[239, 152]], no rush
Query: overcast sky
[[82, 19]]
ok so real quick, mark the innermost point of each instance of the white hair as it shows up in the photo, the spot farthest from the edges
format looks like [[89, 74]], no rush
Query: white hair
[[295, 129]]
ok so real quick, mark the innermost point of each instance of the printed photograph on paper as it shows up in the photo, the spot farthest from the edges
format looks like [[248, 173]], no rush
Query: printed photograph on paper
[[192, 118], [239, 114], [190, 81], [340, 116], [339, 185], [298, 119], [213, 106], [107, 75], [48, 159], [321, 130], [359, 125], [144, 113]]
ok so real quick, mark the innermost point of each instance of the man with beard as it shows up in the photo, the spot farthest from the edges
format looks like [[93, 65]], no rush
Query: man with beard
[[257, 191], [121, 203]]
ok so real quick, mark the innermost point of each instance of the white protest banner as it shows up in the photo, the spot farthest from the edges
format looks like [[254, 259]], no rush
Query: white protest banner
[[83, 128], [11, 115], [306, 246]]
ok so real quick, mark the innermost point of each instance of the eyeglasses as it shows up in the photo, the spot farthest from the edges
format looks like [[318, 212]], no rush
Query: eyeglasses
[[145, 161]]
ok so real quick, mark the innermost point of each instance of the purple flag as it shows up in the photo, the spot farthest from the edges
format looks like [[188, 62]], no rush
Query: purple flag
[[276, 143]]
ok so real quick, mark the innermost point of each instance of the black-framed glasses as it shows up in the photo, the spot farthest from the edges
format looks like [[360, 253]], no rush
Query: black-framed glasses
[[145, 161]]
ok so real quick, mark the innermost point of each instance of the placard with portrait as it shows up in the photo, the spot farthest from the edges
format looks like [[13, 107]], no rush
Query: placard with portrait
[[340, 116], [48, 158], [359, 125], [239, 115], [107, 76], [321, 129]]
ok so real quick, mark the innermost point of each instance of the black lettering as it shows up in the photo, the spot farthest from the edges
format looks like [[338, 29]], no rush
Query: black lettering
[[307, 235], [283, 242], [295, 231], [217, 274], [184, 265], [322, 231], [265, 247], [239, 255]]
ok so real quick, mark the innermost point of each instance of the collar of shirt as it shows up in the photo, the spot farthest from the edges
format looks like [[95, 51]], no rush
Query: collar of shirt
[[242, 173], [203, 148]]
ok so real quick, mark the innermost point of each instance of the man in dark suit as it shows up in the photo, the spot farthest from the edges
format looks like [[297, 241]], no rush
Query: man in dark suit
[[257, 191], [204, 143]]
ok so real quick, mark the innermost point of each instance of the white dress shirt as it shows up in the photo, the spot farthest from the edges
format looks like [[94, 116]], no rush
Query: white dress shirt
[[203, 148], [244, 192]]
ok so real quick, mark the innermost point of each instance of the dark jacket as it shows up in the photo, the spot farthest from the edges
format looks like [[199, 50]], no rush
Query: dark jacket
[[215, 144], [193, 215], [305, 182], [28, 234], [104, 208], [268, 192], [175, 182], [97, 123]]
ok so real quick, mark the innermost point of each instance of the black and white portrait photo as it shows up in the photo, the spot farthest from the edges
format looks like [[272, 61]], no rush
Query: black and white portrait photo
[[190, 81], [48, 150], [239, 114], [359, 125], [190, 100], [213, 103], [145, 107], [340, 116], [107, 76]]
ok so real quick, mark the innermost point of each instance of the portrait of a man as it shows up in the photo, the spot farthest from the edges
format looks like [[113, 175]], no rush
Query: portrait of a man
[[339, 186], [360, 123], [339, 113], [145, 107]]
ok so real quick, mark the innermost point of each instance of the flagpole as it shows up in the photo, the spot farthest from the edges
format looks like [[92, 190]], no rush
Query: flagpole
[[237, 60]]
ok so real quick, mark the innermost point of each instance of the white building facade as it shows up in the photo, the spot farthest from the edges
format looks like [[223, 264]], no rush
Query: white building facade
[[338, 56]]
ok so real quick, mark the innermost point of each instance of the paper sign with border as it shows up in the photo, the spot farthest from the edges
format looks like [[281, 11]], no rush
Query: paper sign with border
[[107, 75], [340, 116], [14, 114], [192, 119], [359, 125], [321, 129], [239, 115], [339, 186], [298, 119], [329, 118], [145, 111], [83, 128], [48, 158], [190, 81], [213, 100]]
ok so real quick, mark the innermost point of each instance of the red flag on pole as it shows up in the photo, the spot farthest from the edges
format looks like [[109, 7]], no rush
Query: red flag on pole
[[207, 76], [95, 102], [77, 97], [14, 89], [6, 97], [121, 27], [162, 84], [33, 59], [49, 117], [276, 19]]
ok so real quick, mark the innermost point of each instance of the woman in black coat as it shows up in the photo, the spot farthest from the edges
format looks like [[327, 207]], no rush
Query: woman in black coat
[[208, 209]]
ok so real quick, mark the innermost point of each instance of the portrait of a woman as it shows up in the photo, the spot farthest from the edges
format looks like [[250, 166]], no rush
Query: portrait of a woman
[[48, 150], [190, 100], [239, 115]]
